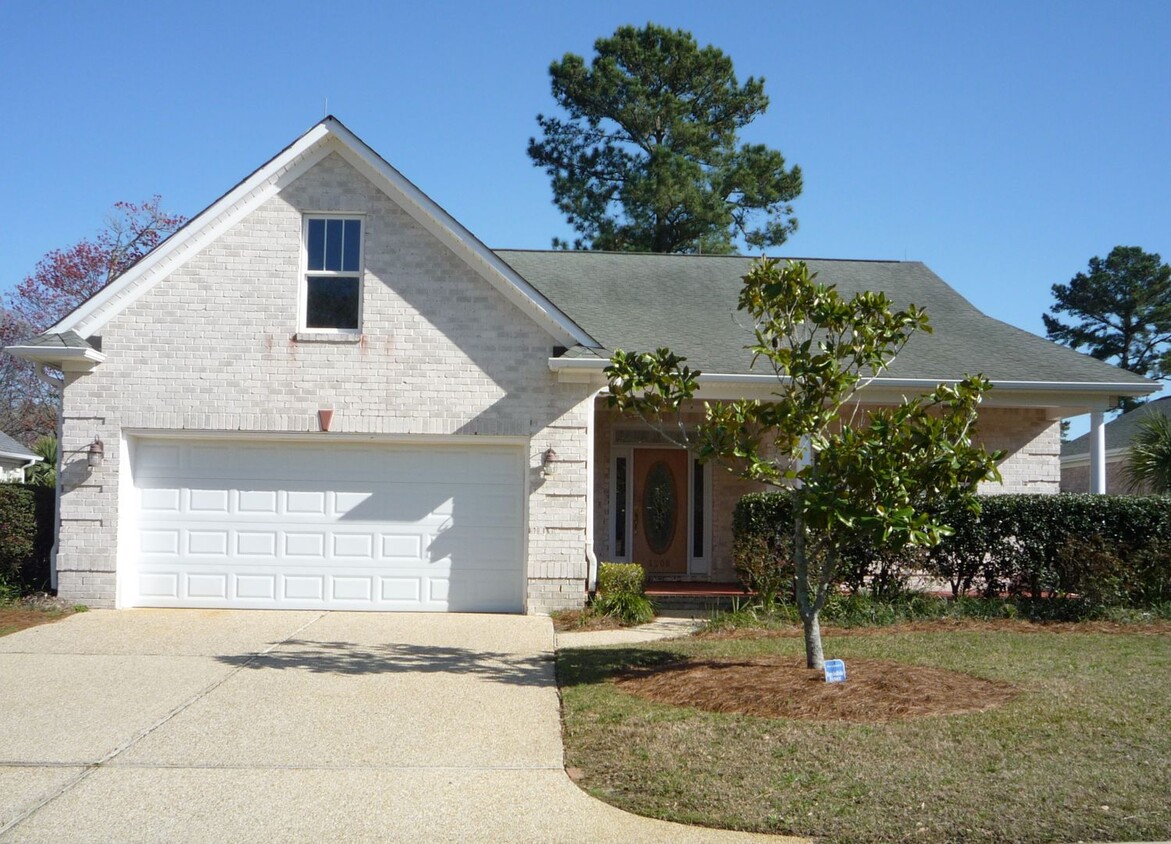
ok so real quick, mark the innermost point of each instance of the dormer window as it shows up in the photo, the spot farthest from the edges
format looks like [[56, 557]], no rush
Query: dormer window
[[332, 297]]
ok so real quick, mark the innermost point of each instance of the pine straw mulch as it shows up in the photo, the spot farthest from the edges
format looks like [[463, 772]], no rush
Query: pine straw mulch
[[875, 691], [32, 610]]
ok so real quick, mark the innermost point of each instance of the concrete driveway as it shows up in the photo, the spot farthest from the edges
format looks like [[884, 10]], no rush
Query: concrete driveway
[[189, 725]]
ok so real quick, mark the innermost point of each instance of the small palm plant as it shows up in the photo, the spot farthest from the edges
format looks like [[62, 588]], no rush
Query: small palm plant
[[1149, 468], [44, 473]]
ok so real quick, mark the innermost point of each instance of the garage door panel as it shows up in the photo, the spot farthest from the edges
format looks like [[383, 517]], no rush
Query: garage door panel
[[311, 526]]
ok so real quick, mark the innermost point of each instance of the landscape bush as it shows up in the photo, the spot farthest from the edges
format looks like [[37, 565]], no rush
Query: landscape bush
[[1089, 552], [621, 593], [26, 538]]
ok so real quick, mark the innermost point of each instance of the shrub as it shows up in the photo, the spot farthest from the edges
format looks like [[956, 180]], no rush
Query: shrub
[[621, 577], [620, 593], [26, 536], [762, 525], [1089, 552]]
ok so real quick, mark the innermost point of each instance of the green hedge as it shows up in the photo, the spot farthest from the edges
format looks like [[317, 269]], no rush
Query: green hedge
[[1092, 550], [762, 525], [1104, 550], [621, 593], [26, 536]]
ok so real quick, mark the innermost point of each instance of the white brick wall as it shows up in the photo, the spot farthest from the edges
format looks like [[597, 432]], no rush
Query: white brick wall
[[212, 348]]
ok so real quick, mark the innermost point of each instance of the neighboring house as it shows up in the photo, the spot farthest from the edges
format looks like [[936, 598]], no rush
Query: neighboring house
[[324, 392], [14, 459], [1075, 454]]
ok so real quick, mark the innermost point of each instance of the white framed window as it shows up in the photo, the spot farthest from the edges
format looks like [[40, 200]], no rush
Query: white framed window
[[331, 278]]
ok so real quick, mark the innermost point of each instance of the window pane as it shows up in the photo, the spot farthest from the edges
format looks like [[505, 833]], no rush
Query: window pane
[[351, 243], [332, 303], [333, 245], [620, 507], [697, 511], [316, 245]]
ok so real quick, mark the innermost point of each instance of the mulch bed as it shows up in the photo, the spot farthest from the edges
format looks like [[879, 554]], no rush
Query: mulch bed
[[876, 690], [32, 610], [12, 620]]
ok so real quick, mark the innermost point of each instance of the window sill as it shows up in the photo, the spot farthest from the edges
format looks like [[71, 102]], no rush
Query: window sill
[[325, 337]]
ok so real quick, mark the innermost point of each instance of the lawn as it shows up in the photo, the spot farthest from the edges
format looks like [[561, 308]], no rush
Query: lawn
[[1074, 742]]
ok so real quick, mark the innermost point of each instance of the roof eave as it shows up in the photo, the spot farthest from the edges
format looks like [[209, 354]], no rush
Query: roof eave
[[63, 357], [1076, 397]]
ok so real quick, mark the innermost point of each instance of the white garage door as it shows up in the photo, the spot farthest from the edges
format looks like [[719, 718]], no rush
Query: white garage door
[[296, 525]]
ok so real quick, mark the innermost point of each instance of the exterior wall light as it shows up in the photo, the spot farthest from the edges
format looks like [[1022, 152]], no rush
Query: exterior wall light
[[549, 462], [96, 453]]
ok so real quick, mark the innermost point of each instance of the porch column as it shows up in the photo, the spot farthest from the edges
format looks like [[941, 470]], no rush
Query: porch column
[[1098, 452]]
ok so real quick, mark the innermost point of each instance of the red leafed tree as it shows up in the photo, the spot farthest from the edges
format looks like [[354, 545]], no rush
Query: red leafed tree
[[61, 281]]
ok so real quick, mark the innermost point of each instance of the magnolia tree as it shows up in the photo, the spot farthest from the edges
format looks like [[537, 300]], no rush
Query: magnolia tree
[[62, 280], [872, 475]]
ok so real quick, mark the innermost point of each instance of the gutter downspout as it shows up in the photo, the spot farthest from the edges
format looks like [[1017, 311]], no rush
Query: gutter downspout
[[591, 558], [58, 385]]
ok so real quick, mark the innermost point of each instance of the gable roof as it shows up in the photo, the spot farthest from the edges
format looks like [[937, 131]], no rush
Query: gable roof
[[330, 135], [1119, 430], [688, 302]]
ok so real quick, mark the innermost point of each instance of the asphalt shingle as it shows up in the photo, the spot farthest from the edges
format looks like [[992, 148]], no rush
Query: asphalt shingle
[[637, 301]]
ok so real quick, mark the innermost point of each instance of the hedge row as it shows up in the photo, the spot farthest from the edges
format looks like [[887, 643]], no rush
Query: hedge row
[[26, 536], [1101, 550]]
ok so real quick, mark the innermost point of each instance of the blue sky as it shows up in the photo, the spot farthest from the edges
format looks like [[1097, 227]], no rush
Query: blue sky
[[1002, 143]]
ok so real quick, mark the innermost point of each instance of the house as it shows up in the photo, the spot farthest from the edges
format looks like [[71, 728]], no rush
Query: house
[[1075, 454], [325, 392], [14, 459]]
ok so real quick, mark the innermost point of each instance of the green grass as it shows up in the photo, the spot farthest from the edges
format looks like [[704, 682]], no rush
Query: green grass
[[863, 611], [1083, 753]]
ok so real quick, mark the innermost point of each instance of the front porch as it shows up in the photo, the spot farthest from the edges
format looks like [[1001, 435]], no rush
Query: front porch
[[692, 595]]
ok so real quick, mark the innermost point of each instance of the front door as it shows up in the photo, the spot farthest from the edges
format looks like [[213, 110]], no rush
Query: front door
[[660, 510]]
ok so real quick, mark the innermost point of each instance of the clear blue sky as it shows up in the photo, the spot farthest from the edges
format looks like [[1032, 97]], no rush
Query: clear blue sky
[[1002, 143]]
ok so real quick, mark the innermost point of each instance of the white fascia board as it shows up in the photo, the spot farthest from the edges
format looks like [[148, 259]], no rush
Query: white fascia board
[[452, 234], [29, 458], [586, 364], [56, 355], [95, 312], [1077, 397]]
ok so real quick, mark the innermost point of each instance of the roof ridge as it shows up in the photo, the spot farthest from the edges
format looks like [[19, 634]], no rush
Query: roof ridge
[[699, 255]]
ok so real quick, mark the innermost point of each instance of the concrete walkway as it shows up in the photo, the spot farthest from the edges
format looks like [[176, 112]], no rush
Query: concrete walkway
[[152, 725], [663, 627]]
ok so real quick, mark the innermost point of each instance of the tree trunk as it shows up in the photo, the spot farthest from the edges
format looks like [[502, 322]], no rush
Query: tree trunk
[[807, 608], [814, 656]]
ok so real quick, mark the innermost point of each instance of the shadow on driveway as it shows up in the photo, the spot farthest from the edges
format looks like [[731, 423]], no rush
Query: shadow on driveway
[[348, 658]]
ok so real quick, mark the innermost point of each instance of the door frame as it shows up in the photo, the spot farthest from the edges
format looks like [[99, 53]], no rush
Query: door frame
[[697, 565]]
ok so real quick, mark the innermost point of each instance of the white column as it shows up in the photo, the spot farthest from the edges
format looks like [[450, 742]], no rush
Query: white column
[[1098, 452], [591, 558]]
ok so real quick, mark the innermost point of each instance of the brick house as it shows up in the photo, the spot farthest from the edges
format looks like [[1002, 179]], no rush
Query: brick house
[[324, 392]]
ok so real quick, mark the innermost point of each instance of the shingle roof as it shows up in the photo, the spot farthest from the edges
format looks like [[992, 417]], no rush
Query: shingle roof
[[64, 340], [1120, 430], [688, 302], [10, 446]]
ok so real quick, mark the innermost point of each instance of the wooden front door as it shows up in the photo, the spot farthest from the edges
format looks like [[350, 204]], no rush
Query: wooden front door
[[660, 510]]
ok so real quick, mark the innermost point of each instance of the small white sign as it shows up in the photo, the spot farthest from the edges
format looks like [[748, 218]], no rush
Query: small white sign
[[835, 671]]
